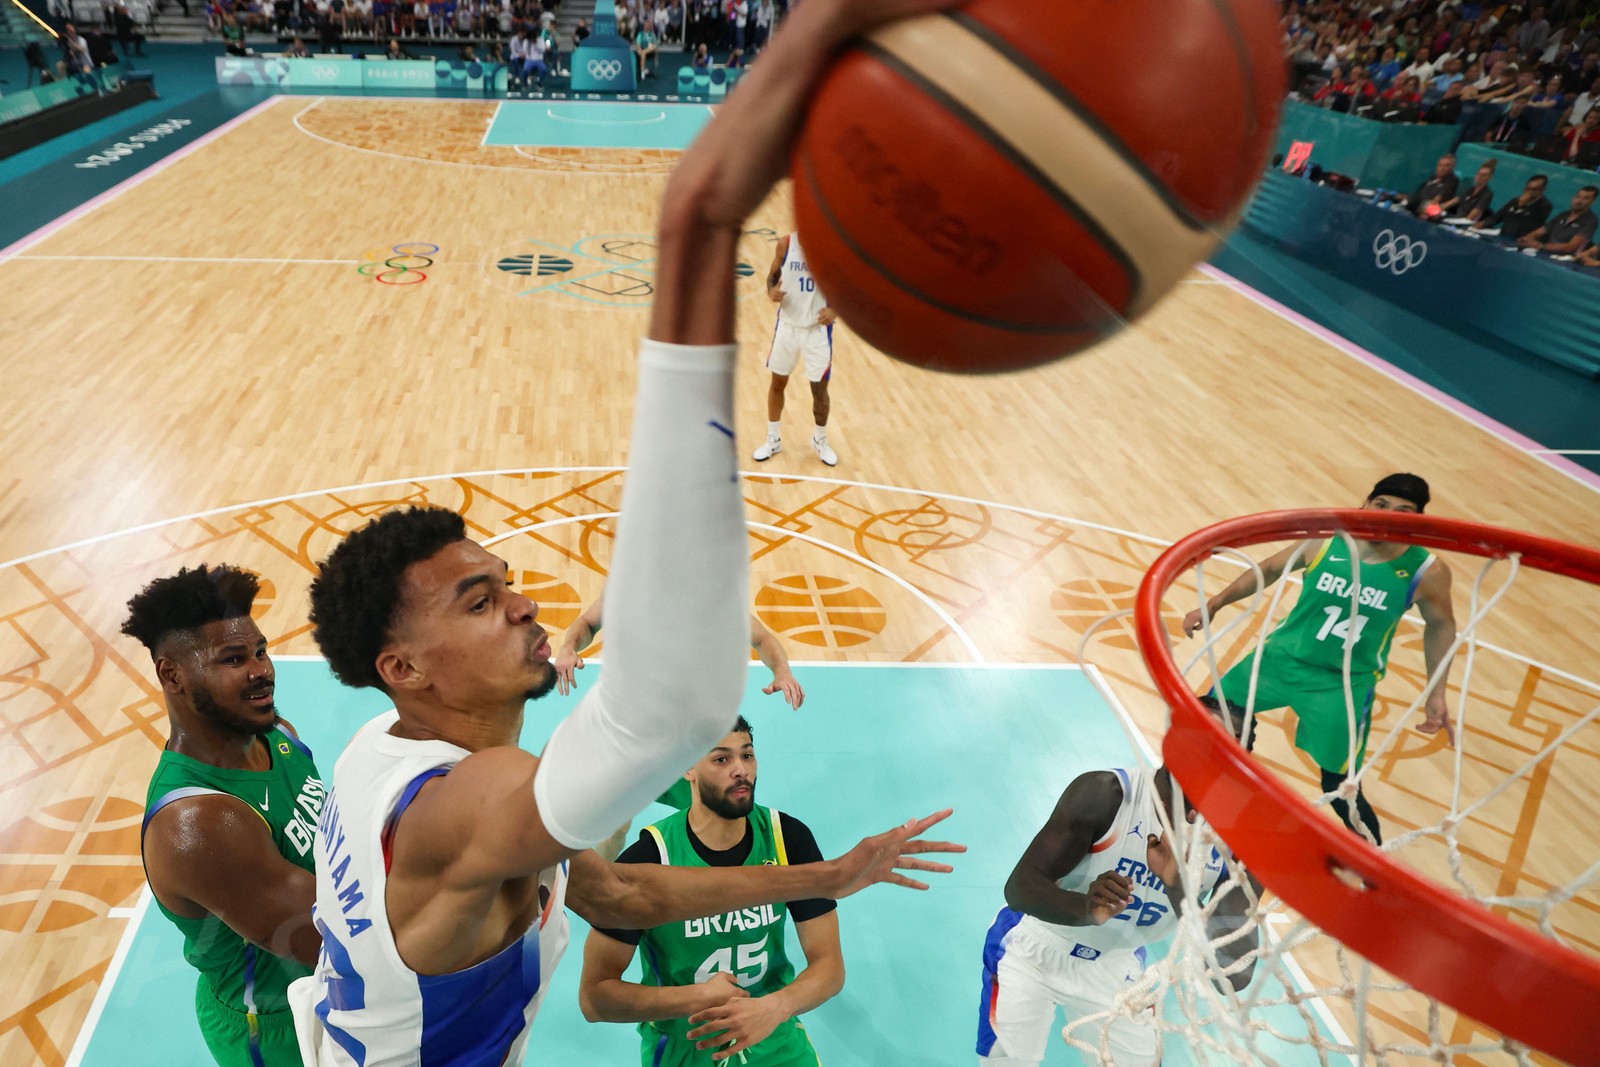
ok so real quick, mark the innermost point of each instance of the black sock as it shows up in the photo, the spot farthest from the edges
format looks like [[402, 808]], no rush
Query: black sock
[[1331, 781]]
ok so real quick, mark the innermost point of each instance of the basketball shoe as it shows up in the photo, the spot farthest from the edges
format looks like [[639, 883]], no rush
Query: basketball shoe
[[825, 450], [769, 448]]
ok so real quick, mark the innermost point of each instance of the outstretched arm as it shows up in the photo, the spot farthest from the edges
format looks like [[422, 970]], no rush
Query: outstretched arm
[[636, 896], [1272, 569], [580, 635], [1081, 817], [772, 653], [1438, 635]]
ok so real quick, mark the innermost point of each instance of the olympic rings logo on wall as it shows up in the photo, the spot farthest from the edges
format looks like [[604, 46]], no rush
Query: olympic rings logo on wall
[[605, 69], [1397, 253], [392, 268]]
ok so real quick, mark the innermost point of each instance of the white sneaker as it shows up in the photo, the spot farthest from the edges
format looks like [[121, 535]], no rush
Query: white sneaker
[[829, 456], [769, 448]]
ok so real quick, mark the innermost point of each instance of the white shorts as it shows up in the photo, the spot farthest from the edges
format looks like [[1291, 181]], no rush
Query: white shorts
[[1027, 973], [788, 342]]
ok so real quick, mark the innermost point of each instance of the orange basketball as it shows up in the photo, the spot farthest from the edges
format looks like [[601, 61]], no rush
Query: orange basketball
[[1005, 184]]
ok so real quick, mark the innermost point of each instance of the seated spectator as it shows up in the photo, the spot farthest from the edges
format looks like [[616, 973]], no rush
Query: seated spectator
[[1574, 138], [1550, 96], [1588, 69], [736, 59], [1421, 67], [1513, 130], [1476, 201], [580, 33], [296, 50], [1567, 233], [395, 52], [1405, 94], [1385, 70], [527, 58], [76, 51], [675, 17], [466, 54], [1581, 105], [702, 58], [1450, 74], [233, 36], [645, 48], [1522, 214], [1442, 186]]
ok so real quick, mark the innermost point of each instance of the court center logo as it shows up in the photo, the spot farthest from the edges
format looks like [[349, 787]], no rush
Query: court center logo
[[402, 264], [616, 270], [605, 69], [1397, 253]]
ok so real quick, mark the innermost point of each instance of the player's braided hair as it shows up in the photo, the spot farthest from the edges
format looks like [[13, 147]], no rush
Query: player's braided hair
[[188, 600], [357, 589]]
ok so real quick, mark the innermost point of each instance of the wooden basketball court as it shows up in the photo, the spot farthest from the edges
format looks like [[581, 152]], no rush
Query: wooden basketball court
[[235, 359]]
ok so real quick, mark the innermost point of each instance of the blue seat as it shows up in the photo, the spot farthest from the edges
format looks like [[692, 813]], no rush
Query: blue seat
[[685, 79], [702, 84]]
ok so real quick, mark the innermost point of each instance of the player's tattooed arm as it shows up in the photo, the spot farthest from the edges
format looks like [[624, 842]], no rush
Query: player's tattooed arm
[[1082, 815]]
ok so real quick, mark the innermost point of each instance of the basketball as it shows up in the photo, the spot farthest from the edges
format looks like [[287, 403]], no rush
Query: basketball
[[995, 187]]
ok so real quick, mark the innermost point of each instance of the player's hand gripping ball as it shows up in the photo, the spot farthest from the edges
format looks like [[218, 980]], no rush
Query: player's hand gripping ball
[[1006, 183]]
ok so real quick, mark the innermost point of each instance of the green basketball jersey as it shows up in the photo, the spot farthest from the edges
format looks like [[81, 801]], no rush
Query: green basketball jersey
[[747, 943], [1314, 633], [288, 798]]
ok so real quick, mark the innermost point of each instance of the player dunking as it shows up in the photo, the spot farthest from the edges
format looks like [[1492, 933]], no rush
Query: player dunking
[[445, 852], [1302, 660], [1097, 886], [230, 813], [804, 328]]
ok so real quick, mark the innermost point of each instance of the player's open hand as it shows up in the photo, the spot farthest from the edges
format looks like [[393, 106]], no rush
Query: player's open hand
[[790, 688], [566, 663], [881, 858], [735, 1026], [1108, 896]]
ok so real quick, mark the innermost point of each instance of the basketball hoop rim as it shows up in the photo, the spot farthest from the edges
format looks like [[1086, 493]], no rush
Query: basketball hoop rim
[[1530, 988]]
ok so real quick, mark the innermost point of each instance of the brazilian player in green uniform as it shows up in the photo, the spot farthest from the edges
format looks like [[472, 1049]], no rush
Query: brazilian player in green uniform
[[720, 988], [1302, 660], [230, 814]]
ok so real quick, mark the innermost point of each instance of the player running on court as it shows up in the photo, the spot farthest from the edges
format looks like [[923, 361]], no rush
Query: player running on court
[[720, 987], [230, 813], [1097, 886], [445, 852], [804, 328], [1302, 660]]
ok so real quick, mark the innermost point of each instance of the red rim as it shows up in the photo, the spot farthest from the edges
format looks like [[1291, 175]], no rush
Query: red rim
[[1530, 988]]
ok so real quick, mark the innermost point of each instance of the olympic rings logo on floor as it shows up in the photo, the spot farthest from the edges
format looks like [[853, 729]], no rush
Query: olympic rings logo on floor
[[392, 268]]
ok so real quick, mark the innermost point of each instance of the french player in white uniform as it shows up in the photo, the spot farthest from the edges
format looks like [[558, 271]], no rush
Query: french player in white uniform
[[446, 853], [1095, 888], [804, 328]]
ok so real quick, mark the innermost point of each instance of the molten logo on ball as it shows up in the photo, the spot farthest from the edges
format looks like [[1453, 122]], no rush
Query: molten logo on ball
[[915, 204]]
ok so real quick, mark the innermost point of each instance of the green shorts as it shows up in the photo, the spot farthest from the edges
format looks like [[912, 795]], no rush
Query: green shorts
[[787, 1046], [234, 1042], [1317, 697]]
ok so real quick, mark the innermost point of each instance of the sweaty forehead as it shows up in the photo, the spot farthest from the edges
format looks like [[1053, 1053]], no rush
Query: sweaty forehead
[[240, 630], [433, 583]]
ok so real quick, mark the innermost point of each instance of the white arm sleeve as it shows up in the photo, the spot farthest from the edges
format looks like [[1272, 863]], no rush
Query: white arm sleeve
[[678, 582]]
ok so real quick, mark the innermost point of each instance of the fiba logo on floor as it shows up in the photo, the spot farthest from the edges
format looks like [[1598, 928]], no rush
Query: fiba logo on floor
[[605, 69], [1397, 253]]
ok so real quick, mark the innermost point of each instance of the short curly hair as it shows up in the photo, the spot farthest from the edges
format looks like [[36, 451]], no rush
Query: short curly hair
[[357, 589], [188, 600]]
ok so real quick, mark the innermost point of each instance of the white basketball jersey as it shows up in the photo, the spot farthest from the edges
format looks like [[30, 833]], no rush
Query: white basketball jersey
[[1123, 848], [802, 303], [370, 1009]]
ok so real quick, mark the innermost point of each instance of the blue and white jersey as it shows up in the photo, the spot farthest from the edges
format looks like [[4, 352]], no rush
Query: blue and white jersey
[[363, 1007], [1123, 848], [802, 303]]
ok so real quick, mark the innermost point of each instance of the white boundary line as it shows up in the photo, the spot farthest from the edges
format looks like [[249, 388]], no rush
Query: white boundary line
[[955, 627], [487, 130], [138, 178], [103, 994], [749, 475], [186, 259]]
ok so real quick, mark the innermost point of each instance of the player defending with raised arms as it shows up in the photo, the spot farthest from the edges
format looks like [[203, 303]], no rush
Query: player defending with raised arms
[[1302, 660], [1096, 887], [583, 631], [721, 985], [444, 849], [230, 813]]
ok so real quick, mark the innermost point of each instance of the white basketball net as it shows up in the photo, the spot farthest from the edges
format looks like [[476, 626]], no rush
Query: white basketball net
[[1310, 999]]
